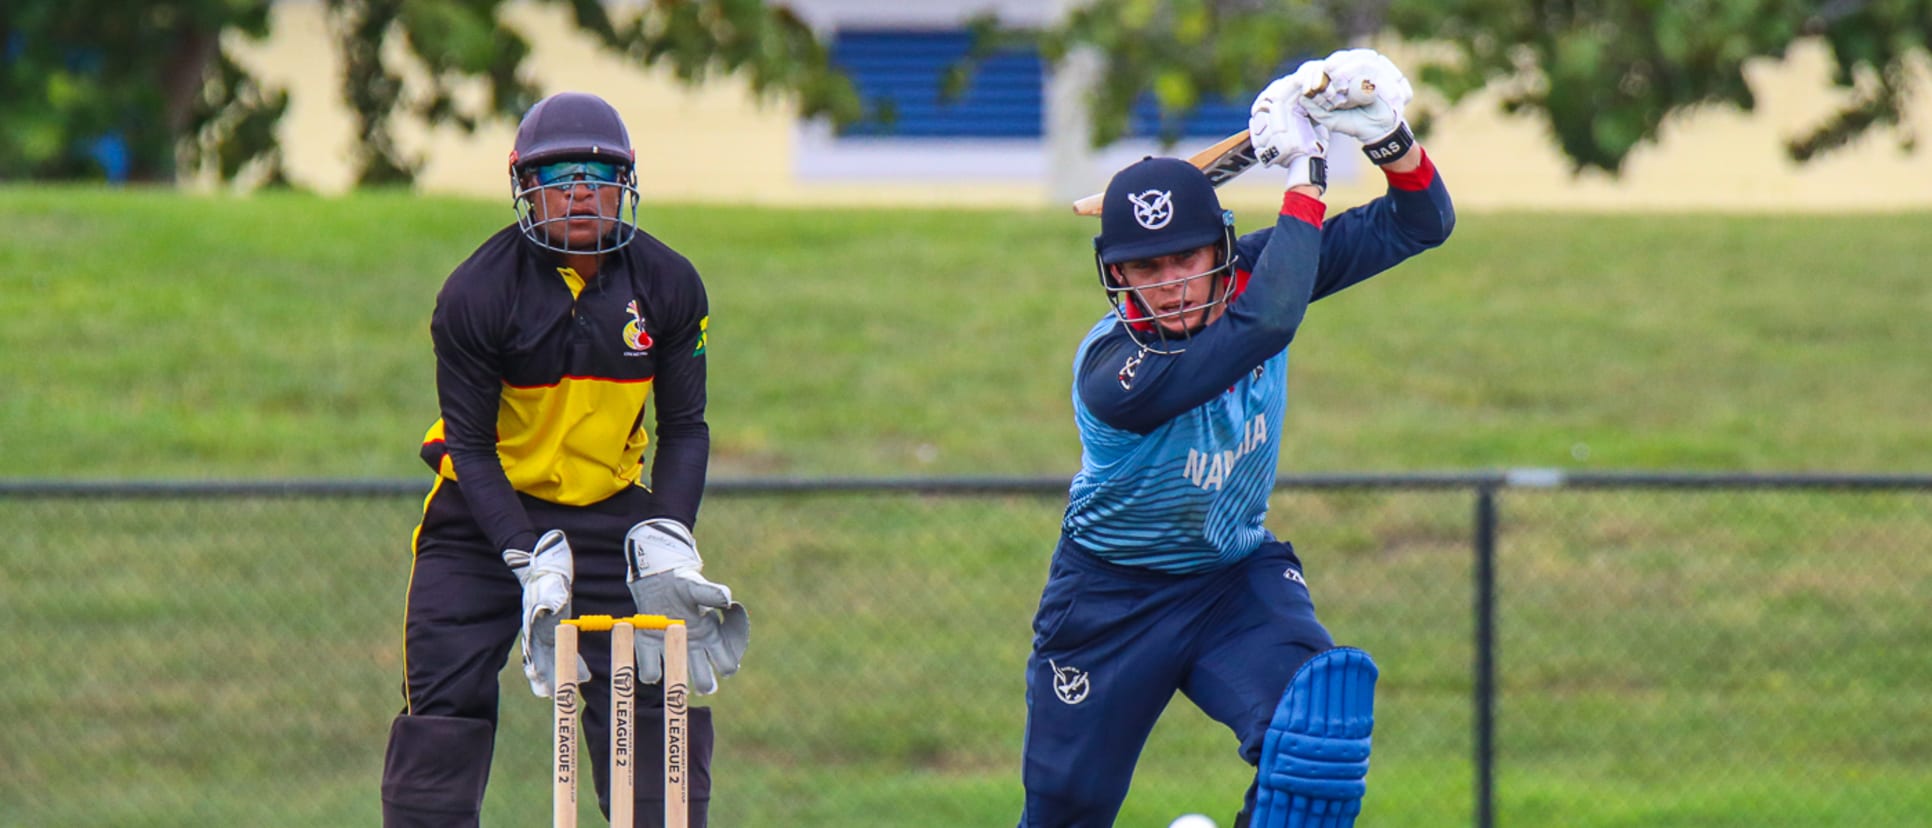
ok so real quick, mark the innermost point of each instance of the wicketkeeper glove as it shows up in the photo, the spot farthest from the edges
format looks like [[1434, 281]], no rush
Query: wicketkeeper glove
[[546, 574], [664, 576], [1364, 100], [1282, 132]]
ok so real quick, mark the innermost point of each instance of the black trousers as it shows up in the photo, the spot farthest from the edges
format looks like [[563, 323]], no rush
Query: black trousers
[[464, 614]]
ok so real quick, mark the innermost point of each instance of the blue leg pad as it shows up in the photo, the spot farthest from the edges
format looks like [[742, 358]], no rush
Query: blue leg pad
[[1315, 756]]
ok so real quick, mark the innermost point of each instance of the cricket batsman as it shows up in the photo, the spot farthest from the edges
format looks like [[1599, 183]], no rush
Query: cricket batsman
[[1165, 577]]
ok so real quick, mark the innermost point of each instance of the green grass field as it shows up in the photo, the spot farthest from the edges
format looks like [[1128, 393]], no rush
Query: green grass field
[[286, 335], [1668, 659]]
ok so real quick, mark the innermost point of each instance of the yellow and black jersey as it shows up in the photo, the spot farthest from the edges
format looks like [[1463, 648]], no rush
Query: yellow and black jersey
[[542, 378]]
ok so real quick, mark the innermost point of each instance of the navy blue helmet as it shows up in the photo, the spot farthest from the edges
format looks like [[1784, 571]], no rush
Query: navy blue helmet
[[567, 141], [1156, 207]]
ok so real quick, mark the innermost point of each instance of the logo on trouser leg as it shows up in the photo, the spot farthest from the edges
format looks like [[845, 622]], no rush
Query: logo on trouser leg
[[1292, 575], [1069, 683]]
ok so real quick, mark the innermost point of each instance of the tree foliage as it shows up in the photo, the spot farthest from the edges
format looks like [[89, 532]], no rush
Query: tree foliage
[[1607, 74], [149, 81], [1181, 52], [774, 51], [73, 72], [154, 85], [1604, 75]]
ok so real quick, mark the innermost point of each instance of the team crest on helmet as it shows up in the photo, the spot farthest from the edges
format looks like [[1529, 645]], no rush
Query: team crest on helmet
[[634, 334], [1153, 209], [1069, 683]]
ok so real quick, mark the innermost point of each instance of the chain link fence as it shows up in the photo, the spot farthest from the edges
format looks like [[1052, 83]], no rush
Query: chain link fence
[[1661, 651]]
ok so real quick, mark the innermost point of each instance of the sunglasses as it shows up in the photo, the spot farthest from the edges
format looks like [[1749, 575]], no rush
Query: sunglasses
[[594, 172]]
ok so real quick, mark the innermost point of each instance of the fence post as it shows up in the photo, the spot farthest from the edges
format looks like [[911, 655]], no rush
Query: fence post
[[1485, 655]]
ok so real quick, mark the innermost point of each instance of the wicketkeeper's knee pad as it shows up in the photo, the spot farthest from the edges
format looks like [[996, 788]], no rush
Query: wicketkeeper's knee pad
[[434, 771], [1314, 759]]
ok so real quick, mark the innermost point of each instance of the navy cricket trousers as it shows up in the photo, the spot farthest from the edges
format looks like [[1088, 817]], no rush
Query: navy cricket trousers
[[1111, 645]]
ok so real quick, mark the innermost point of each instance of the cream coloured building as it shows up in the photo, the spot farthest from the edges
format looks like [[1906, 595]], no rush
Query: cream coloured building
[[720, 144]]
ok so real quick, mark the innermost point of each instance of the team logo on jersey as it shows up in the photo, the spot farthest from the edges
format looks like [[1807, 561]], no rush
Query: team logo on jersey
[[635, 336], [1153, 209], [1069, 683], [704, 334], [1127, 370]]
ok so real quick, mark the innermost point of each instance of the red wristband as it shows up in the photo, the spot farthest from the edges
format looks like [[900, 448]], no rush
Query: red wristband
[[1416, 179], [1304, 207]]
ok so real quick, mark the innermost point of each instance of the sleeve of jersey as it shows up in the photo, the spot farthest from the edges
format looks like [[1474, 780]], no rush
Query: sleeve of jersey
[[683, 439], [469, 387], [1137, 391], [1414, 215]]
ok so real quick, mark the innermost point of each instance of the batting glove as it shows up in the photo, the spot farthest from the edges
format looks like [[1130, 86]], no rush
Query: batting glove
[[1364, 100], [546, 574], [1282, 132], [664, 573]]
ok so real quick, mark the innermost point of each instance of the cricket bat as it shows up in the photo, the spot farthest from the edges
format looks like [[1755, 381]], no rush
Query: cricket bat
[[1227, 158]]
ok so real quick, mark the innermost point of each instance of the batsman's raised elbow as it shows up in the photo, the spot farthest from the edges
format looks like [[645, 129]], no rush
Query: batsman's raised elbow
[[1429, 226], [1444, 215], [1446, 224]]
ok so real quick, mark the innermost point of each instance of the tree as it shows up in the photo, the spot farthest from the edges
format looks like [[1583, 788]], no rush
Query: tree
[[1607, 74], [154, 79], [73, 71], [151, 79], [768, 46], [1182, 52], [1603, 74]]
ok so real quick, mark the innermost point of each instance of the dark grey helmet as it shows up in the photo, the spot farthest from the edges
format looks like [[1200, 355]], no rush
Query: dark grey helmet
[[573, 127]]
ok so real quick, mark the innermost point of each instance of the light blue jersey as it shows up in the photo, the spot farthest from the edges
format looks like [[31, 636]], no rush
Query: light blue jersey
[[1179, 450], [1190, 495]]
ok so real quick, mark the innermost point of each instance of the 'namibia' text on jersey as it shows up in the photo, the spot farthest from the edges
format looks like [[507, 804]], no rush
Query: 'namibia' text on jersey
[[1179, 450], [1191, 494]]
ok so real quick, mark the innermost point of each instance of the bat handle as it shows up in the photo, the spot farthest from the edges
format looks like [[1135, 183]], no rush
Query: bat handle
[[1319, 87]]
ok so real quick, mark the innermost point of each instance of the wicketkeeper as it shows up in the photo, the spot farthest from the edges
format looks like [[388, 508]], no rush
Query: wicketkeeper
[[549, 341], [1165, 577]]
